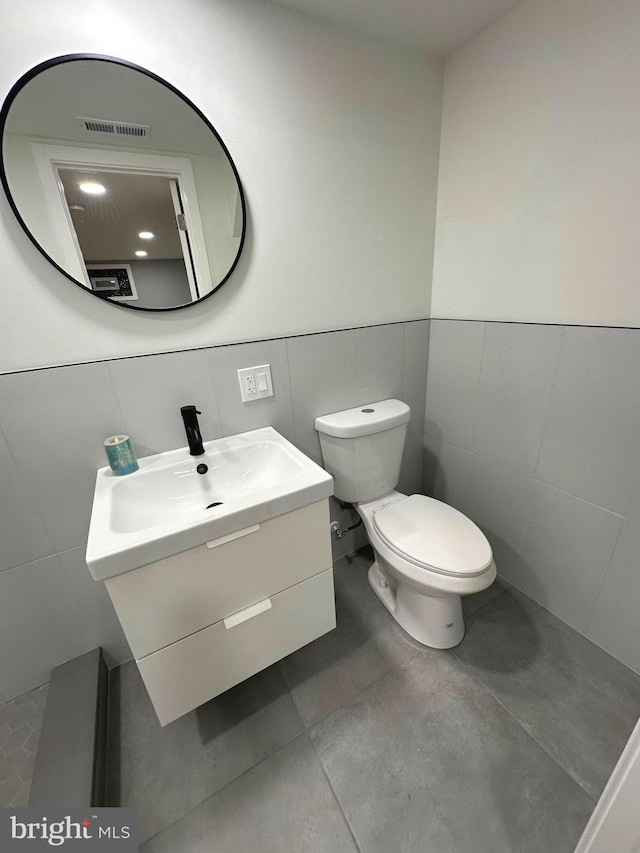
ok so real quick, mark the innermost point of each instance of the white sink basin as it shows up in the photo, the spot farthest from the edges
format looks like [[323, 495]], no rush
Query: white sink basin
[[165, 507]]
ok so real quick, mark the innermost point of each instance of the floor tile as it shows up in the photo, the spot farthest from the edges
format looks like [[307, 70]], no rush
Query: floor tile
[[427, 760], [366, 644], [471, 603], [578, 702], [283, 804], [166, 772]]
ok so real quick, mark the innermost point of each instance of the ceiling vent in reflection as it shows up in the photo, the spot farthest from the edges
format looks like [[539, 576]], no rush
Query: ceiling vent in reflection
[[114, 128]]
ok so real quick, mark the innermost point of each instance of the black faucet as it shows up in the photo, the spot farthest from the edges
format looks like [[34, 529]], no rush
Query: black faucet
[[194, 437]]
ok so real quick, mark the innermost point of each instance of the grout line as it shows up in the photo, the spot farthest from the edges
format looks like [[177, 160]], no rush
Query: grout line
[[526, 476], [490, 692], [604, 578], [335, 796], [355, 696], [222, 787]]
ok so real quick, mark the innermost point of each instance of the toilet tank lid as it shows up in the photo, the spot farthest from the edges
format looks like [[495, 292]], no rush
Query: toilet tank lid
[[364, 420]]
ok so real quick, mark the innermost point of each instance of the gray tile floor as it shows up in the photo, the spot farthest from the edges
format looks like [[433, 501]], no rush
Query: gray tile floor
[[20, 726], [366, 741]]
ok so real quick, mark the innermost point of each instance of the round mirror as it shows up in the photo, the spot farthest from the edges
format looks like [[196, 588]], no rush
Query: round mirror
[[121, 182]]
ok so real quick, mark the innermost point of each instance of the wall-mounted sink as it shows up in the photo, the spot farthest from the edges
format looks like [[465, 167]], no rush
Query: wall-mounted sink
[[167, 507]]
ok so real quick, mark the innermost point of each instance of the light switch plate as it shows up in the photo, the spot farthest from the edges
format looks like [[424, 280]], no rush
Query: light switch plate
[[255, 382]]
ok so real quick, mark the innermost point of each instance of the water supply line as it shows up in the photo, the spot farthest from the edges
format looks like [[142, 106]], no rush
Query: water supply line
[[335, 526]]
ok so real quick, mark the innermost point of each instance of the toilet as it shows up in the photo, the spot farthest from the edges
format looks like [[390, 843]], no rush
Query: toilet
[[427, 554]]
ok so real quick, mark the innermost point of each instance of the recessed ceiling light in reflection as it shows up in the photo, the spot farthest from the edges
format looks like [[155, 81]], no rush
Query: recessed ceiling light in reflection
[[146, 235], [92, 188], [141, 253]]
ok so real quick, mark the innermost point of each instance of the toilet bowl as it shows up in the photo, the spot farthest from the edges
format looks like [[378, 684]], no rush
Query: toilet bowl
[[427, 554]]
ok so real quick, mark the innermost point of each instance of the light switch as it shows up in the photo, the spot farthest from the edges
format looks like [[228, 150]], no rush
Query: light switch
[[255, 382]]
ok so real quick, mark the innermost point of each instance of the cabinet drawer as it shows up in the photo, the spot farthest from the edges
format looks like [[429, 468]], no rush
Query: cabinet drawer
[[160, 603], [194, 670]]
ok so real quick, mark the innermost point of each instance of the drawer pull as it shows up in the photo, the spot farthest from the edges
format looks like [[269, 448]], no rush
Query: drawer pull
[[231, 536], [247, 613]]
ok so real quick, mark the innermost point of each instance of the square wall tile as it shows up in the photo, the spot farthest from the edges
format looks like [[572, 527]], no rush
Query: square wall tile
[[591, 440], [615, 624], [39, 625], [23, 537], [99, 625], [518, 365], [565, 554], [55, 422], [236, 416], [320, 370], [151, 389], [455, 354], [377, 356], [414, 377], [497, 501], [445, 472]]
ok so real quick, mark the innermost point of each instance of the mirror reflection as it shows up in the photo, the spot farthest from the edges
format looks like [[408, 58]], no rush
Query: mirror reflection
[[121, 182]]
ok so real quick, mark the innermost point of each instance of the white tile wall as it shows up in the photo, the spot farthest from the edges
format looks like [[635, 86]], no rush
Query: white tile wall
[[542, 450], [53, 423]]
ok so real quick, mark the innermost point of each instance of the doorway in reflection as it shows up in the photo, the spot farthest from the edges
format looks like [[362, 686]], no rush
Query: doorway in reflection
[[131, 231]]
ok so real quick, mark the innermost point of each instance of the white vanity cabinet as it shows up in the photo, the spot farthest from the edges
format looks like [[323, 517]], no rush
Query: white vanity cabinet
[[204, 620]]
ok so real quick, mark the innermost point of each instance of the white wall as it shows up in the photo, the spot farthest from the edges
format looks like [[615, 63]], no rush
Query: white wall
[[539, 187], [335, 138]]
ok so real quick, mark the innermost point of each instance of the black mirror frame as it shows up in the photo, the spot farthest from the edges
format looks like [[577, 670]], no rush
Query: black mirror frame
[[73, 57]]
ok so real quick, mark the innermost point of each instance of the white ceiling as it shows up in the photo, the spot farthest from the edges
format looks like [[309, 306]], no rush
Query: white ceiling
[[437, 26]]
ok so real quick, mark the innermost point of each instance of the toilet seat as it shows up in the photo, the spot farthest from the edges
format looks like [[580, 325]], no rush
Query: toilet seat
[[433, 536]]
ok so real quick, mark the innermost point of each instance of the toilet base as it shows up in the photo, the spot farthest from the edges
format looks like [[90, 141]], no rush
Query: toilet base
[[434, 621]]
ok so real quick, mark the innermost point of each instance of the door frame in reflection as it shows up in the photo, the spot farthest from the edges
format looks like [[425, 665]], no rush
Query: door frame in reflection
[[50, 157]]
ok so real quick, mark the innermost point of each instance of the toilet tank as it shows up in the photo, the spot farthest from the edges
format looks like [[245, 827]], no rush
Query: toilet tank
[[362, 448]]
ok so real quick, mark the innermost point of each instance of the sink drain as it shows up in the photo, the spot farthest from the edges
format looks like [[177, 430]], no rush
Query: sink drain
[[215, 503]]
